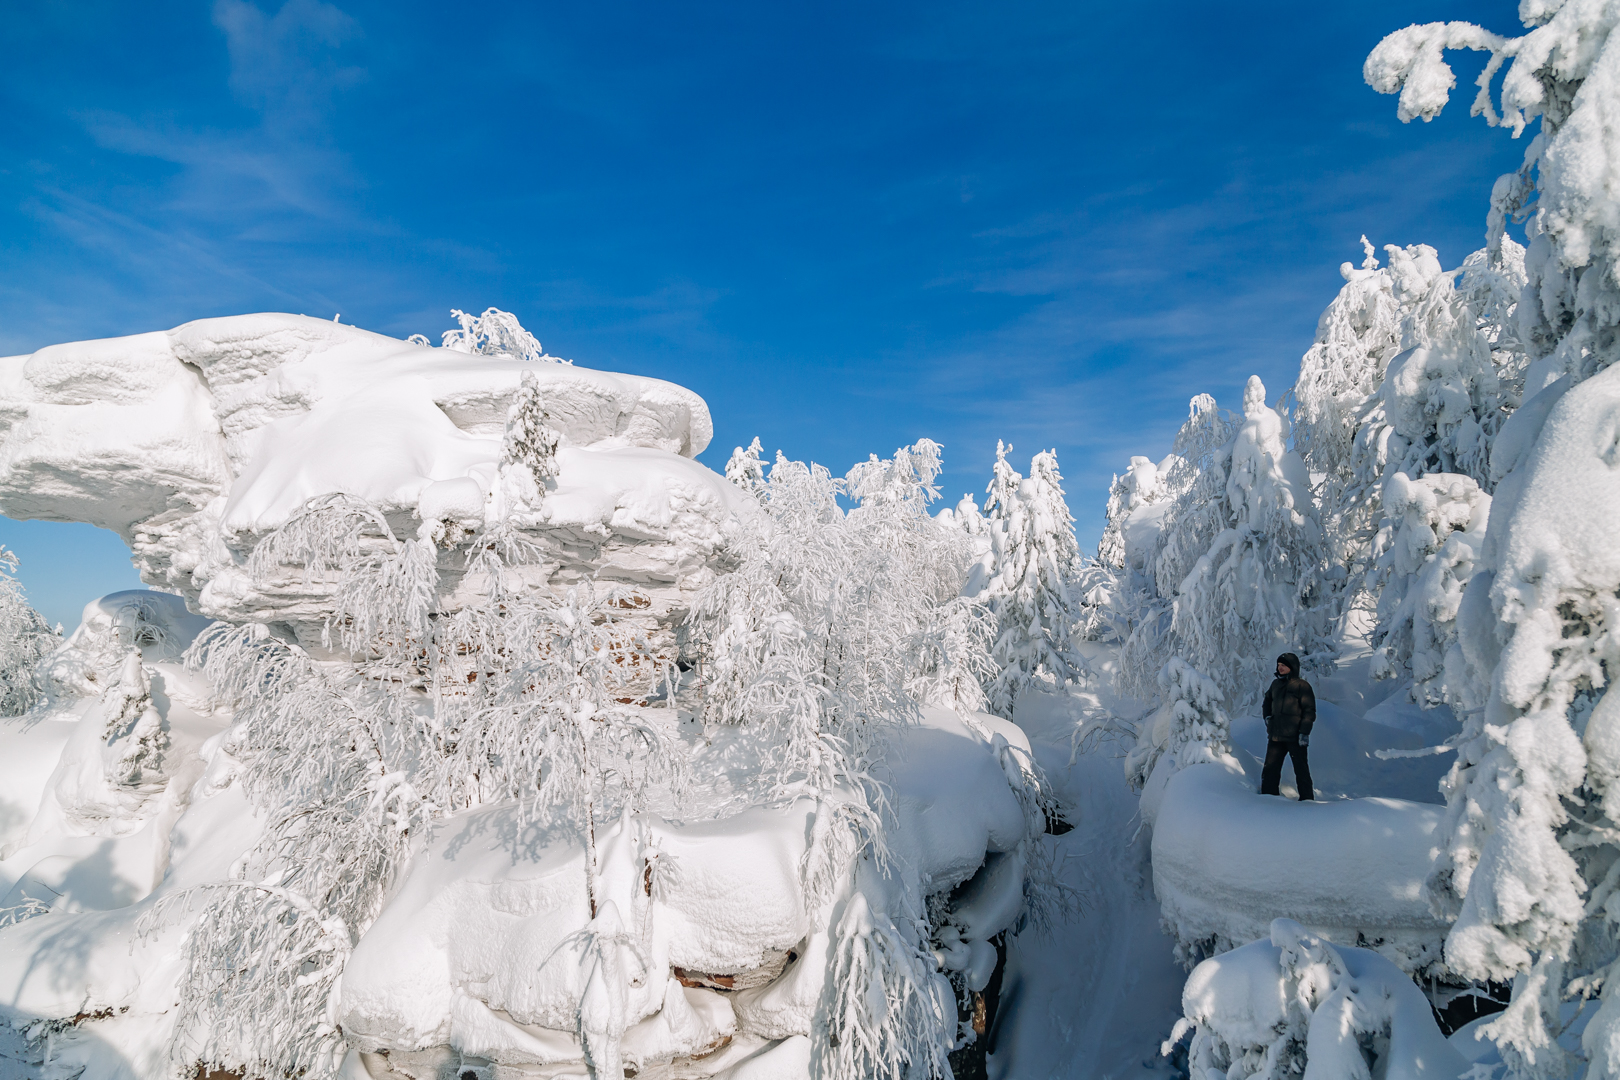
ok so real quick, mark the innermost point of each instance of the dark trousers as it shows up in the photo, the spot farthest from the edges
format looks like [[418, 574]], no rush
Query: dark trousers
[[1271, 772]]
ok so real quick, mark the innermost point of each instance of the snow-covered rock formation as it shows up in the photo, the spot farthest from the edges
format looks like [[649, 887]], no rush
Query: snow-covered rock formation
[[194, 443], [401, 777]]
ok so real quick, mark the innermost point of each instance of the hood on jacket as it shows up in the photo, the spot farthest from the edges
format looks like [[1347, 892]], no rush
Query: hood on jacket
[[1292, 661]]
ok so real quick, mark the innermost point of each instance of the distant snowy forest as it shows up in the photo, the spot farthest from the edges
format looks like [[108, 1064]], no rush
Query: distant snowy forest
[[473, 729]]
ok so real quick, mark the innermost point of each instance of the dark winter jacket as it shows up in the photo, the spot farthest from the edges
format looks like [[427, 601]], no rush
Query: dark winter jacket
[[1290, 703]]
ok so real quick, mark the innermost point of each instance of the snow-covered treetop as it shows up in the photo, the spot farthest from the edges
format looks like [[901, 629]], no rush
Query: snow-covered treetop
[[495, 333], [1563, 71]]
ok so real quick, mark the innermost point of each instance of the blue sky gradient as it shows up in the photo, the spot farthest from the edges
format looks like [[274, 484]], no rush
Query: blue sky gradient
[[846, 226]]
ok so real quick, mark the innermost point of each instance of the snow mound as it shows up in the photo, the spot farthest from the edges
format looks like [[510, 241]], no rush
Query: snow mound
[[1296, 1002], [1227, 861]]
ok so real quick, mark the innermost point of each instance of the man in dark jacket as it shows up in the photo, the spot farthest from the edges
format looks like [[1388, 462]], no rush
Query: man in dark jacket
[[1290, 710]]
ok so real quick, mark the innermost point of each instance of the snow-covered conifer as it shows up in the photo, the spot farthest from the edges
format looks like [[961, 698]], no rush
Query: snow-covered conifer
[[1529, 861], [1413, 370], [1035, 556], [1194, 486], [1189, 725], [528, 440], [1426, 553], [1113, 589], [745, 469], [1242, 536], [134, 727], [1142, 484]]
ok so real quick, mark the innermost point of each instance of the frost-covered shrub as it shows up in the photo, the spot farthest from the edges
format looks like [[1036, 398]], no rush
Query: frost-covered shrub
[[527, 696], [25, 640], [819, 645], [495, 333], [815, 639]]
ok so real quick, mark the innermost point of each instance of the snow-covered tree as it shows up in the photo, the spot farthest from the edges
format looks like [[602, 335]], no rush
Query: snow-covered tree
[[1413, 370], [527, 696], [745, 469], [1237, 567], [1113, 589], [1530, 859], [813, 640], [1035, 555], [1142, 484], [820, 644], [25, 639], [1194, 486], [528, 441], [1425, 554], [956, 663], [1189, 725]]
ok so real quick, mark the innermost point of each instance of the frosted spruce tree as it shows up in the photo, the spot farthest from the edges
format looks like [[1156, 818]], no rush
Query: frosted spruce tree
[[1530, 859], [1236, 568], [1413, 370], [1035, 557], [1424, 557], [1193, 487]]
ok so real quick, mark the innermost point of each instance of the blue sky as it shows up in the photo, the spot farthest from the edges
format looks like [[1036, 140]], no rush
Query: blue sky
[[846, 225]]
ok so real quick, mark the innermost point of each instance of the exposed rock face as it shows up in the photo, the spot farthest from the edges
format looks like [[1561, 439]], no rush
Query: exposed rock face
[[195, 443]]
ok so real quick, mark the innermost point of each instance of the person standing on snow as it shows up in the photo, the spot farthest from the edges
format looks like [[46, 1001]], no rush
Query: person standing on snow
[[1290, 710]]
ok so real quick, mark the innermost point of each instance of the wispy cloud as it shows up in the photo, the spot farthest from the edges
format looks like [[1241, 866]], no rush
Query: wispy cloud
[[288, 65]]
